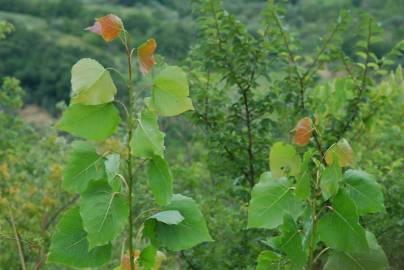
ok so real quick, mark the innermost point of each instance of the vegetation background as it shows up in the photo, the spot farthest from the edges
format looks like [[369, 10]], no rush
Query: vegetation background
[[46, 38]]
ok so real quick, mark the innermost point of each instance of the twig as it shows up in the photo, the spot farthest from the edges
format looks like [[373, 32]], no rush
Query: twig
[[48, 221], [362, 88], [17, 239]]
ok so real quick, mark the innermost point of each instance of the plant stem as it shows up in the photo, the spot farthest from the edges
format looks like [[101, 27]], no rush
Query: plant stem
[[17, 240], [130, 120]]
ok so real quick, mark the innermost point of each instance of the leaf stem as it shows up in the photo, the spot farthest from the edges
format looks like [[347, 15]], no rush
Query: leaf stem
[[314, 217]]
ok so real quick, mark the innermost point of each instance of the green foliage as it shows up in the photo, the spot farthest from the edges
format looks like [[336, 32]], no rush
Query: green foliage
[[169, 217], [160, 180], [251, 79], [330, 179], [283, 160], [148, 140], [83, 166], [364, 191], [103, 212], [251, 88], [186, 234], [267, 260], [375, 259], [340, 228], [270, 200], [86, 233], [290, 242], [91, 83], [170, 92], [70, 246], [84, 121]]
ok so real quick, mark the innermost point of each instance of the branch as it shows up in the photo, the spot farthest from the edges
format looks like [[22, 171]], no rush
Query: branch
[[362, 88], [17, 239], [49, 221], [322, 50], [291, 57]]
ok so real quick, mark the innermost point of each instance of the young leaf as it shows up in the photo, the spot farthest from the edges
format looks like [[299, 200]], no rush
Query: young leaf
[[374, 259], [188, 233], [170, 217], [104, 213], [91, 83], [340, 228], [303, 131], [343, 151], [160, 180], [90, 122], [112, 169], [270, 201], [267, 260], [148, 140], [290, 242], [83, 166], [69, 244], [330, 179], [170, 92], [304, 177], [145, 54], [109, 27], [364, 191], [283, 160], [147, 257]]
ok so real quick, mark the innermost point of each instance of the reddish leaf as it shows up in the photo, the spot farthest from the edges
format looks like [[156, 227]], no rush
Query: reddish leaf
[[146, 55], [303, 131], [109, 27], [125, 262]]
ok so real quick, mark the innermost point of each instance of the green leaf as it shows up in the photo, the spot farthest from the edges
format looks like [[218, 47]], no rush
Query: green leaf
[[304, 177], [330, 179], [364, 191], [147, 257], [187, 234], [170, 92], [148, 140], [270, 201], [290, 242], [374, 259], [112, 169], [343, 151], [83, 166], [104, 213], [267, 260], [170, 217], [69, 244], [340, 228], [90, 122], [91, 83], [283, 160], [160, 180]]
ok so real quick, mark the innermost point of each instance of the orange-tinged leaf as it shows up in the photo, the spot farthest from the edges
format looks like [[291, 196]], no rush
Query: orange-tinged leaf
[[343, 151], [160, 257], [109, 27], [145, 54], [125, 262], [303, 131]]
